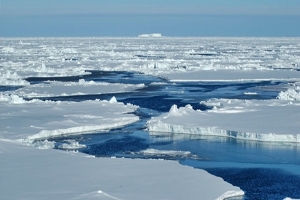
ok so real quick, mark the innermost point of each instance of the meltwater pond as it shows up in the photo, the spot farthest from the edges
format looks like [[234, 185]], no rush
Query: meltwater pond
[[249, 160]]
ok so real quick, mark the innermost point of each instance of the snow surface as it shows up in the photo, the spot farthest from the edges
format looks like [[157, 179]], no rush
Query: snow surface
[[29, 173], [262, 120], [82, 87], [233, 75], [37, 119]]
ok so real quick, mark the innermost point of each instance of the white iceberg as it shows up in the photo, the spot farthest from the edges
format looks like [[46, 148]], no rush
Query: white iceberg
[[152, 35]]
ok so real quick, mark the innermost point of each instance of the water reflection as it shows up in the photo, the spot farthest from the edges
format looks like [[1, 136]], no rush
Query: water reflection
[[222, 149], [131, 141]]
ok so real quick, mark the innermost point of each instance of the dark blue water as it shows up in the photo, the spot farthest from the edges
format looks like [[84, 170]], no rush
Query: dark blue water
[[102, 76], [153, 99], [9, 88], [260, 183], [161, 97]]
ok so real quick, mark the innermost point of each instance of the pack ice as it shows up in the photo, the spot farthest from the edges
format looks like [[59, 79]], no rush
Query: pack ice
[[260, 120]]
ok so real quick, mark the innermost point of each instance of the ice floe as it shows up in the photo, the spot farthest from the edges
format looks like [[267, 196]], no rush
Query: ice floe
[[261, 120], [65, 175], [82, 87], [233, 75], [37, 119]]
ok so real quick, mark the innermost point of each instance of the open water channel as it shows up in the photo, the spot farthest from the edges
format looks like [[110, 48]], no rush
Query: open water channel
[[263, 170]]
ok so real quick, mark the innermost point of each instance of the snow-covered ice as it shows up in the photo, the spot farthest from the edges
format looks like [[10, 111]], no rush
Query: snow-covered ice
[[67, 175], [233, 75], [82, 87], [261, 120], [37, 119], [45, 57], [28, 173]]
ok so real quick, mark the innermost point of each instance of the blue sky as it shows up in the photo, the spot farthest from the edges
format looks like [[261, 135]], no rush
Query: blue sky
[[133, 17]]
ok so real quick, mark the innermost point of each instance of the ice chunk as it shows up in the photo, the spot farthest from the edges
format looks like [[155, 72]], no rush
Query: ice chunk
[[290, 95], [71, 145], [15, 99], [230, 194], [9, 78], [113, 100], [165, 152]]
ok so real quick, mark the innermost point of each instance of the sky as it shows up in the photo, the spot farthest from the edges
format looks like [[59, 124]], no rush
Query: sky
[[46, 18]]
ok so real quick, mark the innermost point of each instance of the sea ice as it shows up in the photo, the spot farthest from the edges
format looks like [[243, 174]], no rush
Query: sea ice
[[165, 152], [71, 145], [37, 119], [62, 175], [261, 120], [291, 94], [73, 56], [230, 75], [82, 87], [65, 175]]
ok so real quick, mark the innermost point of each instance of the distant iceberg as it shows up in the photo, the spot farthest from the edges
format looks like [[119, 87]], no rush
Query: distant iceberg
[[150, 35]]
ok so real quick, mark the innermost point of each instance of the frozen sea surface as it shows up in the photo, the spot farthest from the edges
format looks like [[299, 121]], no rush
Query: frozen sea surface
[[133, 141], [155, 74]]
